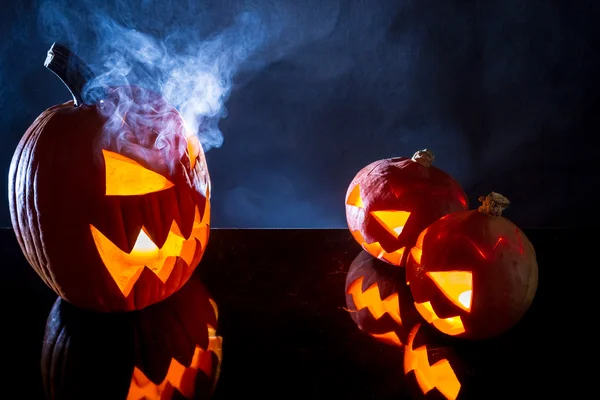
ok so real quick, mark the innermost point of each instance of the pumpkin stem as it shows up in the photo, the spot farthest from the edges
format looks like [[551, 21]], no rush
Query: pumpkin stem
[[493, 204], [71, 70], [424, 157]]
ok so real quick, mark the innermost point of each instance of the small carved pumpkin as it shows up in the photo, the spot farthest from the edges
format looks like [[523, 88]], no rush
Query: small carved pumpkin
[[110, 201], [473, 274], [389, 202], [166, 351], [434, 367], [379, 300]]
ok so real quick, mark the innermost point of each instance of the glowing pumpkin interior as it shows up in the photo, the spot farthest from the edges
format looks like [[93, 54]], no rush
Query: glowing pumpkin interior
[[440, 375], [125, 177], [393, 221]]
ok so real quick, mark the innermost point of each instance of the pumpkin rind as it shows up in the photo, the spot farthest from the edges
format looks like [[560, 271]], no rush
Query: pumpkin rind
[[402, 184]]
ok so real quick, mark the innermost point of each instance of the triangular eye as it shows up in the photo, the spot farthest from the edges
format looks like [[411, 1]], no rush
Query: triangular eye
[[354, 198], [457, 286], [125, 177], [392, 221]]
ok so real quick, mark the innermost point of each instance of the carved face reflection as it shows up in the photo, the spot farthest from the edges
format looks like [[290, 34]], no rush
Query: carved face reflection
[[162, 247]]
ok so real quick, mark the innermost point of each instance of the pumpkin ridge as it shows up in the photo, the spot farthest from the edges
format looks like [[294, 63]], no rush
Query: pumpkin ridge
[[33, 225]]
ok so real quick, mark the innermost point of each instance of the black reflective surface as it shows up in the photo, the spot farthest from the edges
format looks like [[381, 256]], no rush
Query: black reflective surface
[[287, 332]]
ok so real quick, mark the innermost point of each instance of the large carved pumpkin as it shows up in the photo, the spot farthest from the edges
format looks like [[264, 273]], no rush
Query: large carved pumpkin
[[379, 300], [389, 202], [170, 350], [110, 201], [473, 274]]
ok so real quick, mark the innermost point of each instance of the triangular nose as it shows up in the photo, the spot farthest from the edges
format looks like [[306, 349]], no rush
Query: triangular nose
[[457, 286]]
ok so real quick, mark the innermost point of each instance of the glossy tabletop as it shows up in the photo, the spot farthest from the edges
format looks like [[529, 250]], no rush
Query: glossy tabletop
[[287, 333]]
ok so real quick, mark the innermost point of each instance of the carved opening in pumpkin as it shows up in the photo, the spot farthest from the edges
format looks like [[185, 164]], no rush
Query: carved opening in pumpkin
[[450, 326], [125, 177], [179, 376], [376, 250], [193, 148], [440, 375], [125, 268], [457, 286], [354, 198], [417, 251], [393, 221]]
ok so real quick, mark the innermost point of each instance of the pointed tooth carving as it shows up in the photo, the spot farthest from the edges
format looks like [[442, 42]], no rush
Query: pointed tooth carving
[[167, 268], [153, 223], [133, 221], [188, 251], [170, 205], [110, 222], [186, 211], [200, 202]]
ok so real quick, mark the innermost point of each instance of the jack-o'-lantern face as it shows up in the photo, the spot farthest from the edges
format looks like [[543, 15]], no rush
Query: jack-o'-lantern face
[[463, 284], [379, 301], [391, 201], [159, 250], [149, 209]]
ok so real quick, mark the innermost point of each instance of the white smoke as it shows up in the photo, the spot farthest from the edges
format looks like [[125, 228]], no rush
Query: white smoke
[[192, 72]]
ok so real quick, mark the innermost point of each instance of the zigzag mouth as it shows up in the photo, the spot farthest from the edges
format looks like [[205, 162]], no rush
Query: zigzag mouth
[[126, 267]]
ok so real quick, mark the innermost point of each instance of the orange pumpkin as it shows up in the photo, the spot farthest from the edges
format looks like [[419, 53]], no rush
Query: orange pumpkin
[[110, 201], [170, 350], [389, 202], [473, 274]]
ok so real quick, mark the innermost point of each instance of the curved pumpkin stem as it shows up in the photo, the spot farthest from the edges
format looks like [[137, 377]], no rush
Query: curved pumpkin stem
[[71, 70]]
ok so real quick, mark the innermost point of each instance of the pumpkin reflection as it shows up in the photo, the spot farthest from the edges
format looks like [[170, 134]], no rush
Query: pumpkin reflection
[[379, 300], [435, 365], [168, 350]]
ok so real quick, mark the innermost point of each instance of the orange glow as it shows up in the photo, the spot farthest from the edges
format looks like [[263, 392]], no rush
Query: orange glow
[[450, 326], [457, 286], [389, 338], [502, 239], [371, 299], [193, 148], [126, 268], [392, 221], [178, 376], [417, 251], [440, 375], [377, 251], [125, 177], [354, 198], [481, 253]]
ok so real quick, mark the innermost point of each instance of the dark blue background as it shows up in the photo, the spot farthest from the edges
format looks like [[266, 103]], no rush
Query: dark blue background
[[505, 92]]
